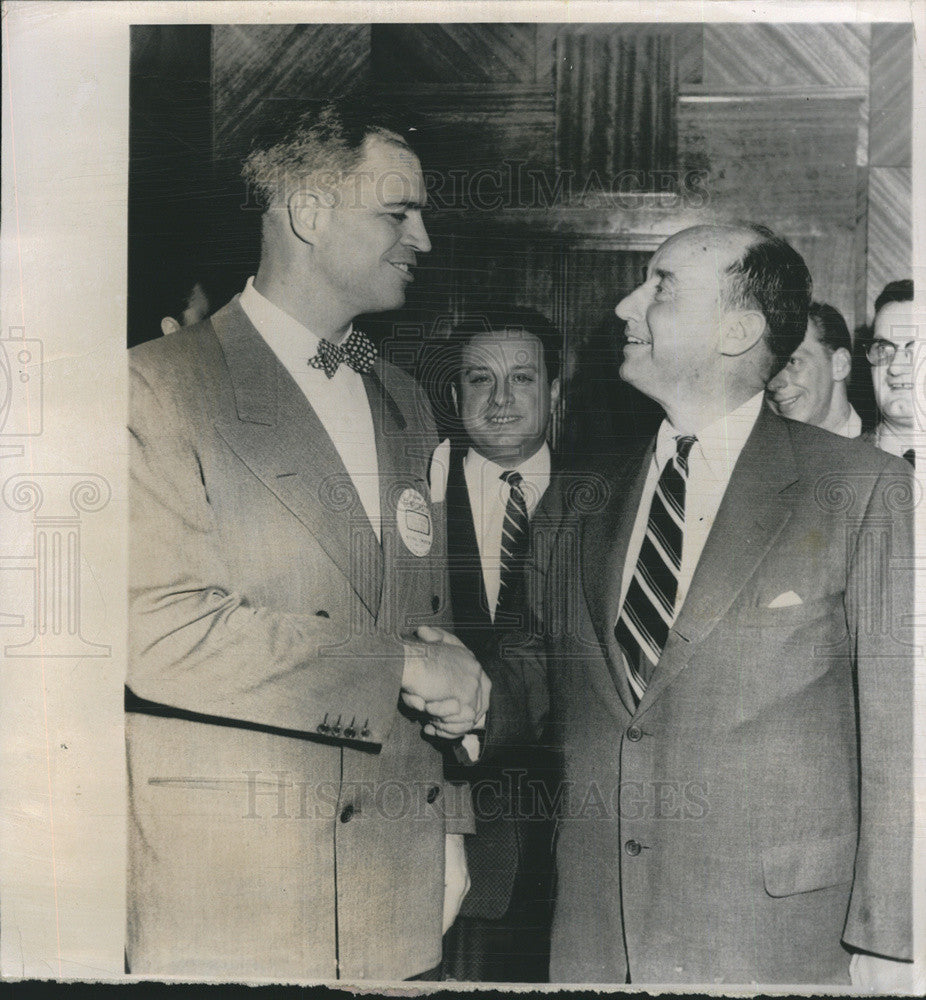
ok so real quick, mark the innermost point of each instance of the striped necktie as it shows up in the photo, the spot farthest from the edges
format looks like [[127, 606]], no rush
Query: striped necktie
[[515, 537], [649, 607]]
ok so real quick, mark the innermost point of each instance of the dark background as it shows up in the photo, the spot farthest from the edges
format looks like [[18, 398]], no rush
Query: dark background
[[560, 157]]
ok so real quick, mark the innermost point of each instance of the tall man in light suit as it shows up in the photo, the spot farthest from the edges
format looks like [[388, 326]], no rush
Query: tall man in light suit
[[726, 662], [288, 818]]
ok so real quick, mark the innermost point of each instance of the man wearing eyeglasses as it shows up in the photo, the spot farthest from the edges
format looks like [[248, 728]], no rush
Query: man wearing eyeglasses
[[890, 355]]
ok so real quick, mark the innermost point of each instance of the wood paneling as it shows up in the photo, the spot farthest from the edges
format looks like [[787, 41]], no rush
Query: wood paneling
[[831, 259], [450, 54], [480, 143], [170, 146], [616, 92], [541, 142], [891, 95], [785, 55], [785, 159], [254, 66], [604, 416], [890, 233], [860, 252], [689, 48]]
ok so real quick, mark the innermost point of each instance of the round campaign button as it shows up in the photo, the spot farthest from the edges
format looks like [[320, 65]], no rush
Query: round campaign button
[[413, 517]]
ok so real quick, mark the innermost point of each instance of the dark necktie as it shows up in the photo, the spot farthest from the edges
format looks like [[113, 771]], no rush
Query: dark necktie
[[649, 607], [356, 352], [515, 537], [910, 456]]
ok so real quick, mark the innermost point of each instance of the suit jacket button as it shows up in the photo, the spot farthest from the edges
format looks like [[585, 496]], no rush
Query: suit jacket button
[[633, 848], [634, 733], [346, 813], [433, 792]]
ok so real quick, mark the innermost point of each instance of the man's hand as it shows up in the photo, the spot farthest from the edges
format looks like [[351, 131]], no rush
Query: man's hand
[[456, 878], [443, 679], [883, 976]]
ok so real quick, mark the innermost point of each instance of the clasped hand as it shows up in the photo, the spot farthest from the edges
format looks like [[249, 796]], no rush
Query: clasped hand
[[444, 680]]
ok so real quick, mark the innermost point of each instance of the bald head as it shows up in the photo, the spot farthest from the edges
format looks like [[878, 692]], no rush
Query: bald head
[[721, 308]]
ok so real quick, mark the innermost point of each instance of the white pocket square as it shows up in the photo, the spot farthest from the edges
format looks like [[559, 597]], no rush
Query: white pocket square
[[786, 600]]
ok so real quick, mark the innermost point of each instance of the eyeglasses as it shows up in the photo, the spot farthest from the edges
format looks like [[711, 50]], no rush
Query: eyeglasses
[[881, 352]]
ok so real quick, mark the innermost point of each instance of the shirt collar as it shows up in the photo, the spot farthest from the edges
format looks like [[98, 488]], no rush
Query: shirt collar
[[289, 340], [481, 472], [537, 465], [887, 439], [720, 443]]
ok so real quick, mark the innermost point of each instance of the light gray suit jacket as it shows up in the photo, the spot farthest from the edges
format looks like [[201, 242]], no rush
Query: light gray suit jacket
[[287, 817], [752, 817]]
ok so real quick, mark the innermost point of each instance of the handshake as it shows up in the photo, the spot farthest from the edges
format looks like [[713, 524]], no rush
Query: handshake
[[444, 680]]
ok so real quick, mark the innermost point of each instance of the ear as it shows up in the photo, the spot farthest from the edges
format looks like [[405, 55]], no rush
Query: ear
[[169, 325], [554, 394], [303, 208], [742, 329], [841, 364]]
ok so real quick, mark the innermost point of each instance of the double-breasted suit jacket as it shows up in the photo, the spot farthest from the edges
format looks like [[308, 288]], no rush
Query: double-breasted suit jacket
[[287, 817], [751, 818]]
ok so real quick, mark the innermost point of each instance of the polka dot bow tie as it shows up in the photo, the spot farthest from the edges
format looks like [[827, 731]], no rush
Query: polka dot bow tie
[[356, 352]]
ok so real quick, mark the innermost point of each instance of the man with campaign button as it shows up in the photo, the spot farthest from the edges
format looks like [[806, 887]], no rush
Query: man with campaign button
[[286, 562]]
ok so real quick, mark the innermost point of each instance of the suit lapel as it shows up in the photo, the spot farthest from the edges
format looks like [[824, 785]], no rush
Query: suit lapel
[[402, 458], [273, 429], [605, 540], [470, 604], [755, 508]]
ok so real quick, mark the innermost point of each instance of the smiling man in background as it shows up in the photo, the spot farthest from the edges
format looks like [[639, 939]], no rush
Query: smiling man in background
[[505, 392], [288, 819], [891, 357], [813, 385]]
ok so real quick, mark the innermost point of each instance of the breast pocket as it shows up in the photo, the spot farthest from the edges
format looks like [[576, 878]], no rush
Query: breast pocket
[[788, 618]]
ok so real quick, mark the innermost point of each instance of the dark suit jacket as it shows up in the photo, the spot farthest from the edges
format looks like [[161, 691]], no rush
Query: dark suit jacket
[[753, 815], [286, 816], [510, 833]]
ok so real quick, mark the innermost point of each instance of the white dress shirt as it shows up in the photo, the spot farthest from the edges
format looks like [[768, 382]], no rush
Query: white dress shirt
[[887, 439], [340, 402], [488, 498], [710, 465]]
